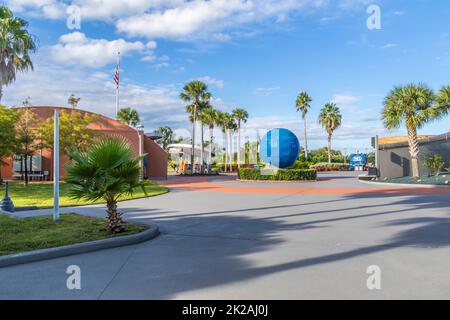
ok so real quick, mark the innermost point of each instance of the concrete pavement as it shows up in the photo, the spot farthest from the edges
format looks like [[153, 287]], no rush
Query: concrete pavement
[[267, 245]]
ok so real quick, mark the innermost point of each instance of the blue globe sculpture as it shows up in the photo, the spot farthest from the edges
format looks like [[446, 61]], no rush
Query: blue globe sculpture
[[280, 148]]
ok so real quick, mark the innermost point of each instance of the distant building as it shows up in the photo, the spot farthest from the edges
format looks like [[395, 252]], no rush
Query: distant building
[[41, 164], [394, 160]]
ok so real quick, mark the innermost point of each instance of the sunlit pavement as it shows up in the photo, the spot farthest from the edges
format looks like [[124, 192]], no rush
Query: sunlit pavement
[[225, 239]]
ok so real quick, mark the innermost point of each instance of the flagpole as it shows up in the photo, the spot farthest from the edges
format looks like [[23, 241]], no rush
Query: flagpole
[[118, 86]]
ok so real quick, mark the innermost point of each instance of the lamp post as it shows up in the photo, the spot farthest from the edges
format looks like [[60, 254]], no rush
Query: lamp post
[[139, 128], [56, 168]]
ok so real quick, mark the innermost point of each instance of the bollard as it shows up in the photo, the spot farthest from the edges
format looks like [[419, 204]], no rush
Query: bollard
[[6, 204]]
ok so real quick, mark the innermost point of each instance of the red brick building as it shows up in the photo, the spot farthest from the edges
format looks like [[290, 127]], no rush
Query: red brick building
[[41, 165]]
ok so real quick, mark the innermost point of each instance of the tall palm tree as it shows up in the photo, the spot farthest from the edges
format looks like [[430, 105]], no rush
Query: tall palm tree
[[194, 92], [230, 126], [241, 116], [330, 118], [414, 105], [16, 44], [221, 122], [210, 117], [303, 104], [106, 171], [128, 116]]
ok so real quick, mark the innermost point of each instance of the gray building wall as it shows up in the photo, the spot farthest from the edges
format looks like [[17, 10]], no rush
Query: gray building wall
[[395, 162]]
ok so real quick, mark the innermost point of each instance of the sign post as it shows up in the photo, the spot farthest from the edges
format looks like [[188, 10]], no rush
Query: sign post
[[56, 168]]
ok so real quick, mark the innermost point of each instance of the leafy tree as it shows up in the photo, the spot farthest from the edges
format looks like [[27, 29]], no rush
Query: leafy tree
[[241, 116], [129, 117], [167, 137], [74, 130], [8, 119], [302, 104], [434, 163], [16, 44], [73, 101], [330, 118], [27, 138], [195, 92], [414, 106], [105, 171]]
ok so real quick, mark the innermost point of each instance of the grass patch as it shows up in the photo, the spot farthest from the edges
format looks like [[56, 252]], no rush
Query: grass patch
[[22, 235], [40, 194]]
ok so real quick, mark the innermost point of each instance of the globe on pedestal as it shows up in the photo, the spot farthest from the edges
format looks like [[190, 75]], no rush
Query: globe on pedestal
[[280, 148]]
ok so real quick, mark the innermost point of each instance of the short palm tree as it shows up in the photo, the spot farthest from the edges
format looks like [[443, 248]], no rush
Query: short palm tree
[[195, 92], [167, 136], [241, 116], [128, 116], [210, 118], [330, 118], [106, 171], [16, 44], [303, 103], [414, 106]]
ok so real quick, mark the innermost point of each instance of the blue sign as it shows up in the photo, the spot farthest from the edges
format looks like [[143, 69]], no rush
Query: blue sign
[[280, 148], [358, 160]]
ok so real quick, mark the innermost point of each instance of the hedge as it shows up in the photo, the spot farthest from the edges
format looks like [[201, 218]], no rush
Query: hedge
[[281, 175], [330, 167]]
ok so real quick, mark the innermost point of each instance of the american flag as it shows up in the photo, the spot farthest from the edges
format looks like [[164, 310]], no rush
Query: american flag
[[117, 77]]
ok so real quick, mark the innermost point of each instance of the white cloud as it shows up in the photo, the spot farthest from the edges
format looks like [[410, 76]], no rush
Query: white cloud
[[341, 99], [76, 49], [210, 81], [52, 85], [389, 46], [266, 91]]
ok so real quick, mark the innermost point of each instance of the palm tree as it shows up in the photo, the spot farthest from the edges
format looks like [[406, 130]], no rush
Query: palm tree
[[167, 137], [194, 92], [15, 47], [241, 116], [414, 105], [73, 101], [330, 118], [229, 126], [129, 117], [106, 171], [303, 104], [210, 117]]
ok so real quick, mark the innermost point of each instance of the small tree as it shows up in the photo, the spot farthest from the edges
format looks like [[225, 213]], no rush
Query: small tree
[[167, 137], [73, 101], [434, 164], [8, 119], [73, 130], [129, 117], [27, 142], [105, 171]]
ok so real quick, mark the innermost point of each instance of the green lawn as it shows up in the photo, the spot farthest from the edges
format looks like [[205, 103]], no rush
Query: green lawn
[[21, 235], [40, 194]]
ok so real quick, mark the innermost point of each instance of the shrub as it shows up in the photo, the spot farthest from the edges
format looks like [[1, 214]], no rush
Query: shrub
[[301, 165], [434, 164], [281, 175], [321, 167]]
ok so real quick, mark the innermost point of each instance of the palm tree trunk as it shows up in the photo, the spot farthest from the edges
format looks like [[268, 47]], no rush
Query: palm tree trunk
[[306, 139], [115, 221], [1, 93], [239, 145], [414, 152], [329, 148], [202, 151], [226, 151], [211, 133], [193, 136], [230, 149]]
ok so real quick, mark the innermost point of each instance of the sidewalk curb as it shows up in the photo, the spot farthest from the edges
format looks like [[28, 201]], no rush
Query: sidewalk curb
[[406, 185], [46, 254]]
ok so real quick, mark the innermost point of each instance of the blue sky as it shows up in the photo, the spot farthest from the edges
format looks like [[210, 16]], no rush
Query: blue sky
[[254, 54]]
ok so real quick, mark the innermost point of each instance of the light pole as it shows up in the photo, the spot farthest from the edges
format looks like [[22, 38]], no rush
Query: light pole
[[56, 168], [139, 129]]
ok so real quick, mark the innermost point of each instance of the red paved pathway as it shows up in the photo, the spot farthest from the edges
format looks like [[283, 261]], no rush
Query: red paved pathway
[[207, 184]]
